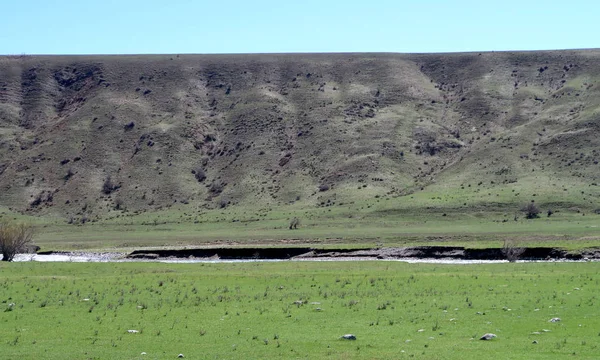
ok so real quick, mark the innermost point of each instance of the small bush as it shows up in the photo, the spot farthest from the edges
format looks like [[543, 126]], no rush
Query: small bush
[[531, 211], [223, 203], [15, 238], [216, 188], [512, 251], [108, 187], [199, 174], [69, 175], [294, 223], [119, 204]]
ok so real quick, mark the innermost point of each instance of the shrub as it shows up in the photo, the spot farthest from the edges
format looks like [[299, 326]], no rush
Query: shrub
[[199, 174], [15, 238], [108, 187], [223, 203], [216, 188], [512, 251], [294, 223], [531, 211], [323, 187], [69, 175], [118, 204]]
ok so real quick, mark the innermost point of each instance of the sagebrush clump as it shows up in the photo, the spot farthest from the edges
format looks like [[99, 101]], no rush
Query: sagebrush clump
[[15, 238]]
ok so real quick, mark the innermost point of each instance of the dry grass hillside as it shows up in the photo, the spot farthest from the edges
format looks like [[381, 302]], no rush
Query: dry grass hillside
[[84, 136]]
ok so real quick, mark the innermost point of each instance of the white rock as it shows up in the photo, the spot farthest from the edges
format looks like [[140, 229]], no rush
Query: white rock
[[488, 336], [349, 337], [180, 356], [143, 353], [132, 331], [556, 319]]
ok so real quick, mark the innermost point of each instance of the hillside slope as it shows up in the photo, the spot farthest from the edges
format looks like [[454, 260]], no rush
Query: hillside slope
[[84, 136]]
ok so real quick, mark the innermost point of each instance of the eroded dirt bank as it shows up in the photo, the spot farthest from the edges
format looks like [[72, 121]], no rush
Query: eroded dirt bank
[[419, 252]]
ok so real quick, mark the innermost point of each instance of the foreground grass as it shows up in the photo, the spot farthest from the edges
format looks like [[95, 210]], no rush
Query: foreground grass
[[298, 310]]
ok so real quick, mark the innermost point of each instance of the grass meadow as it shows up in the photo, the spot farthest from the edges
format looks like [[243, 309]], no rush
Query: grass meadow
[[298, 310], [344, 226]]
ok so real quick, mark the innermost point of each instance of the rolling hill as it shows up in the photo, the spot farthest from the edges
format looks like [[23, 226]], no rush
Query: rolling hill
[[88, 137]]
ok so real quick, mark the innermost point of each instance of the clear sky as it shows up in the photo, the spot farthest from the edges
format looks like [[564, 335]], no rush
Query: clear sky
[[266, 26]]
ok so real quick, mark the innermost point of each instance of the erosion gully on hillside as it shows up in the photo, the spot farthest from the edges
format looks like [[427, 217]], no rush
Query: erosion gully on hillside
[[418, 252], [88, 138]]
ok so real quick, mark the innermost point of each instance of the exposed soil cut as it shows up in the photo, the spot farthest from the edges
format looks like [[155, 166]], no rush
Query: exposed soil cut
[[419, 252]]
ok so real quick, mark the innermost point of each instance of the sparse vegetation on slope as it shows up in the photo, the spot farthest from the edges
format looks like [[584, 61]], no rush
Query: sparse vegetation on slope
[[441, 132]]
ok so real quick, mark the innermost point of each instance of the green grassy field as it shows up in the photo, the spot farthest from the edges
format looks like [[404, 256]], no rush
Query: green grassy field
[[298, 310], [381, 224]]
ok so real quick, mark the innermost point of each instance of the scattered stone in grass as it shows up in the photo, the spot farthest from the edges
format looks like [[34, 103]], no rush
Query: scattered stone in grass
[[348, 337], [420, 330], [180, 356], [132, 331], [534, 342], [86, 299], [488, 336], [536, 333], [556, 319], [143, 353], [545, 330]]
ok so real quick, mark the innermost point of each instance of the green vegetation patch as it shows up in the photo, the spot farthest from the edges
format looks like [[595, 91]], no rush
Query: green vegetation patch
[[298, 310]]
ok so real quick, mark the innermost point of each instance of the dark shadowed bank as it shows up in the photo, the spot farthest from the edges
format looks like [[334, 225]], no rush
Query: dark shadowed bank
[[419, 252]]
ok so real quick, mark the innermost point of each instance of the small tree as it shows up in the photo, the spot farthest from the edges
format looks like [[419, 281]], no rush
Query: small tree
[[512, 251], [531, 211], [294, 223], [15, 238]]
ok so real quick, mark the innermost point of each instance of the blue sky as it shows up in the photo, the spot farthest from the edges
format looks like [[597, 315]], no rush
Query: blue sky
[[266, 26]]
